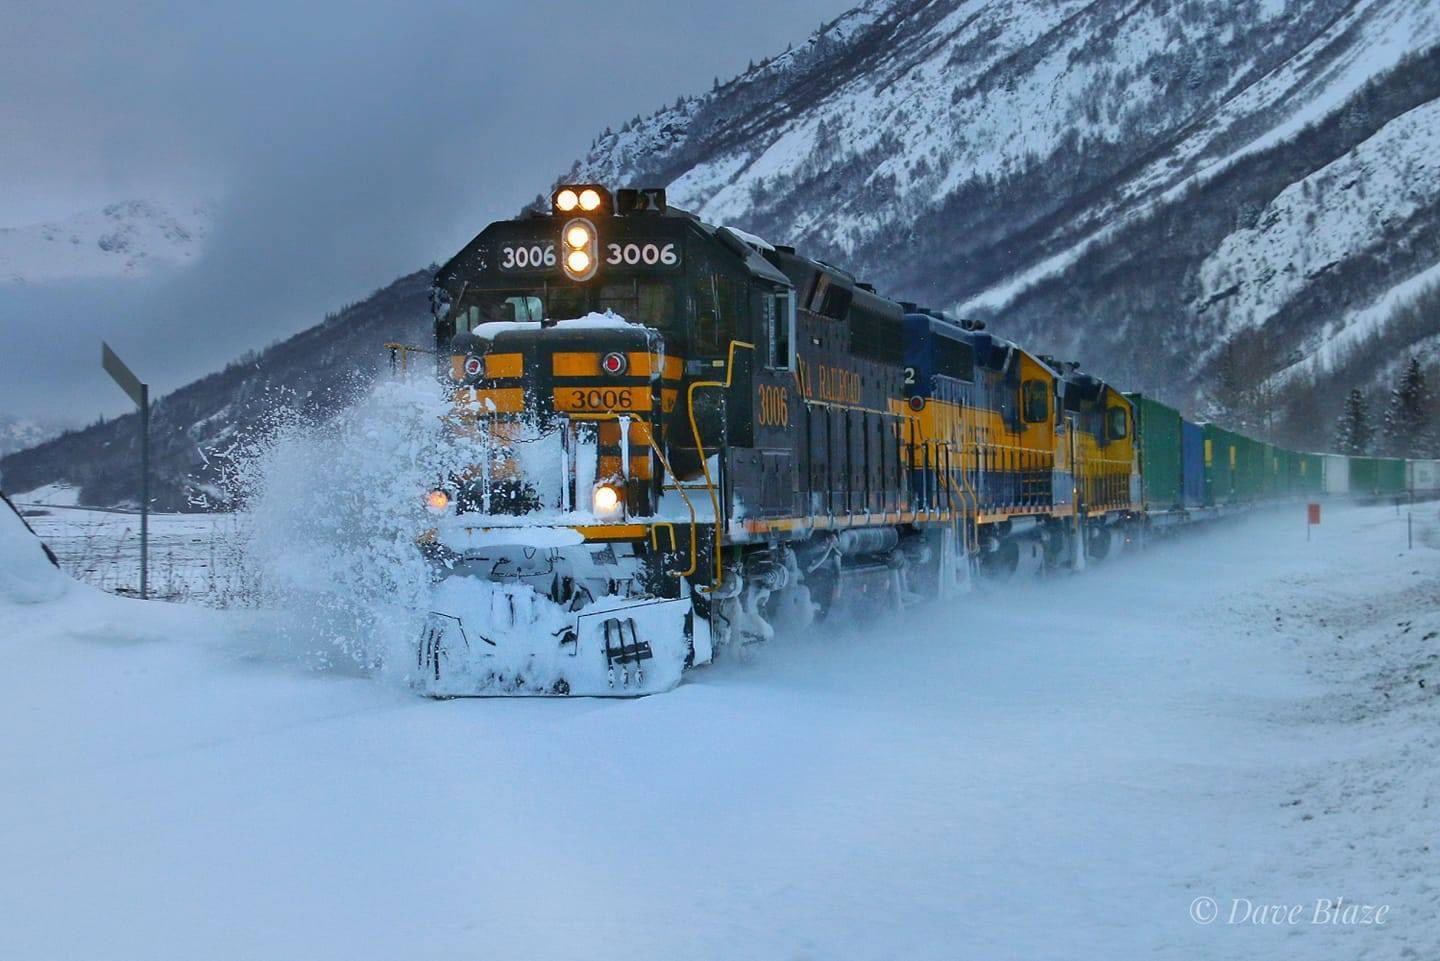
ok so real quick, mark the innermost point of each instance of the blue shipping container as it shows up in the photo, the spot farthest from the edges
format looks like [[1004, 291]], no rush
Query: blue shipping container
[[1192, 463]]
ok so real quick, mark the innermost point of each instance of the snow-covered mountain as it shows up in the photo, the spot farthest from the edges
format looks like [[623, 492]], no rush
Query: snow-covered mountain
[[18, 433], [1233, 206], [1138, 184], [126, 239]]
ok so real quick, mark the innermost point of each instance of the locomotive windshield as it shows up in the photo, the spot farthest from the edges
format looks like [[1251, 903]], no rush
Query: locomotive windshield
[[647, 301]]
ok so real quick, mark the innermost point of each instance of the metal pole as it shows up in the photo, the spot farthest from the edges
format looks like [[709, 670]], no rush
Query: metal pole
[[139, 393], [145, 492], [1410, 529]]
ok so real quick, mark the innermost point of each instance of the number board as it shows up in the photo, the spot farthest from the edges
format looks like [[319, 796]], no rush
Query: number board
[[522, 258], [641, 253], [539, 256], [592, 399]]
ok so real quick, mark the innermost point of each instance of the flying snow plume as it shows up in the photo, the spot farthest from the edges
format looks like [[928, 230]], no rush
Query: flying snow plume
[[332, 510]]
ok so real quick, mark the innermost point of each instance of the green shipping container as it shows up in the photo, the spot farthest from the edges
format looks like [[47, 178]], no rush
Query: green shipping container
[[1159, 436], [1390, 475], [1311, 470], [1364, 475], [1250, 464], [1286, 482], [1221, 460]]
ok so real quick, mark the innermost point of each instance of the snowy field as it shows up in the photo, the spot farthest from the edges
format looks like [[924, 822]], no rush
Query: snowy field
[[1061, 770], [193, 557]]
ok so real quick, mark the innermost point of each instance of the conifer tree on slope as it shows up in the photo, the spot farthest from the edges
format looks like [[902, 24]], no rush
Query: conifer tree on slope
[[1407, 428], [1353, 432]]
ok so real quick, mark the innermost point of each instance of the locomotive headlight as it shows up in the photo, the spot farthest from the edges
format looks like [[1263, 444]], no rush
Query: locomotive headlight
[[582, 246], [437, 501], [590, 198], [607, 500], [474, 366]]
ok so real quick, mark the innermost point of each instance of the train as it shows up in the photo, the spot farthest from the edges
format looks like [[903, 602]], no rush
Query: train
[[677, 439]]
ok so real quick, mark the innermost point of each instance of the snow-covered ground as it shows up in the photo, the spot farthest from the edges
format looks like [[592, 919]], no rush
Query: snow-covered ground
[[1053, 771], [193, 557]]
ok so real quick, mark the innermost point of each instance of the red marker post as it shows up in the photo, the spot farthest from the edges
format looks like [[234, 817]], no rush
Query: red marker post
[[1312, 517]]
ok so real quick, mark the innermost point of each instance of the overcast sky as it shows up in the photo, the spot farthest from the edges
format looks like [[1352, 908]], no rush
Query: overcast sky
[[346, 143]]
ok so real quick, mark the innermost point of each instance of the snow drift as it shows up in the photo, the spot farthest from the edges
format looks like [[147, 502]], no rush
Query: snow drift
[[28, 574], [1028, 775]]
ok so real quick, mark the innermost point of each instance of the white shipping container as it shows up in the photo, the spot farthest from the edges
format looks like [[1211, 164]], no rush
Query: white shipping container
[[1422, 475], [1337, 474]]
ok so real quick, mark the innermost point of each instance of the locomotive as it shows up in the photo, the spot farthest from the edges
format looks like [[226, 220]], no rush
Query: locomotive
[[681, 437]]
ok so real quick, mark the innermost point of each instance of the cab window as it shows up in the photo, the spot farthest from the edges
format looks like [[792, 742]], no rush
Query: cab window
[[1117, 424], [498, 306], [1035, 401], [717, 303], [651, 303], [484, 306]]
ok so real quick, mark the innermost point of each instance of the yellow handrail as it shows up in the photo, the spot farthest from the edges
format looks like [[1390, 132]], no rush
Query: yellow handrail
[[404, 351], [700, 447], [665, 463], [694, 527]]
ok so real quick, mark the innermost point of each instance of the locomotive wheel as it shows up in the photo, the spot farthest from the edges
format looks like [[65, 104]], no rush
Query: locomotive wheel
[[999, 565], [1097, 544]]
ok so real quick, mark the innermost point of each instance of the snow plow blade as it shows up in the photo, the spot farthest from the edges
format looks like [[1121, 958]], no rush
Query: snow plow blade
[[626, 648]]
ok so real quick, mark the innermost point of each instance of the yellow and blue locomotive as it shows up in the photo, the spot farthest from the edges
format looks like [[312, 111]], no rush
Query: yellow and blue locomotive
[[680, 436]]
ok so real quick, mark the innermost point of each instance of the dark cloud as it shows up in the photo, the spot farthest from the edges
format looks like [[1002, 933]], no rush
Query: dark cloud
[[345, 143]]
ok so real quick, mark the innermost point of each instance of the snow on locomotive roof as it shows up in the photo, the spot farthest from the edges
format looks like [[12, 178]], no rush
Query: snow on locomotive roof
[[591, 321], [749, 238], [595, 320]]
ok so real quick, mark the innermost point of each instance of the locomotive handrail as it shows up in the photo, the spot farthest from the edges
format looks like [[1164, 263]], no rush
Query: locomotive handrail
[[665, 463], [694, 528], [700, 447], [403, 351], [966, 488]]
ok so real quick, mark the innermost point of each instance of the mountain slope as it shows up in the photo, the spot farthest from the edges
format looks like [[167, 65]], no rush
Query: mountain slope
[[318, 369], [1232, 206], [119, 240], [1094, 174]]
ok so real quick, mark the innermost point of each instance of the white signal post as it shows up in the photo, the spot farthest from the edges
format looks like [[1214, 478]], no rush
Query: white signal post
[[140, 394]]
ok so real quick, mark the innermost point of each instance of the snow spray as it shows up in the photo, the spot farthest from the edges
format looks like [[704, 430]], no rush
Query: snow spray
[[331, 509]]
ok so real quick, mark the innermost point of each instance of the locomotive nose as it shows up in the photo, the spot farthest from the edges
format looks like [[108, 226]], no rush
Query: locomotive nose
[[597, 391], [570, 367]]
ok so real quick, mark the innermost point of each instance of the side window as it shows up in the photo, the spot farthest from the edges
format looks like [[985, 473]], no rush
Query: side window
[[954, 358], [780, 329], [1117, 423], [1035, 401], [717, 302]]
